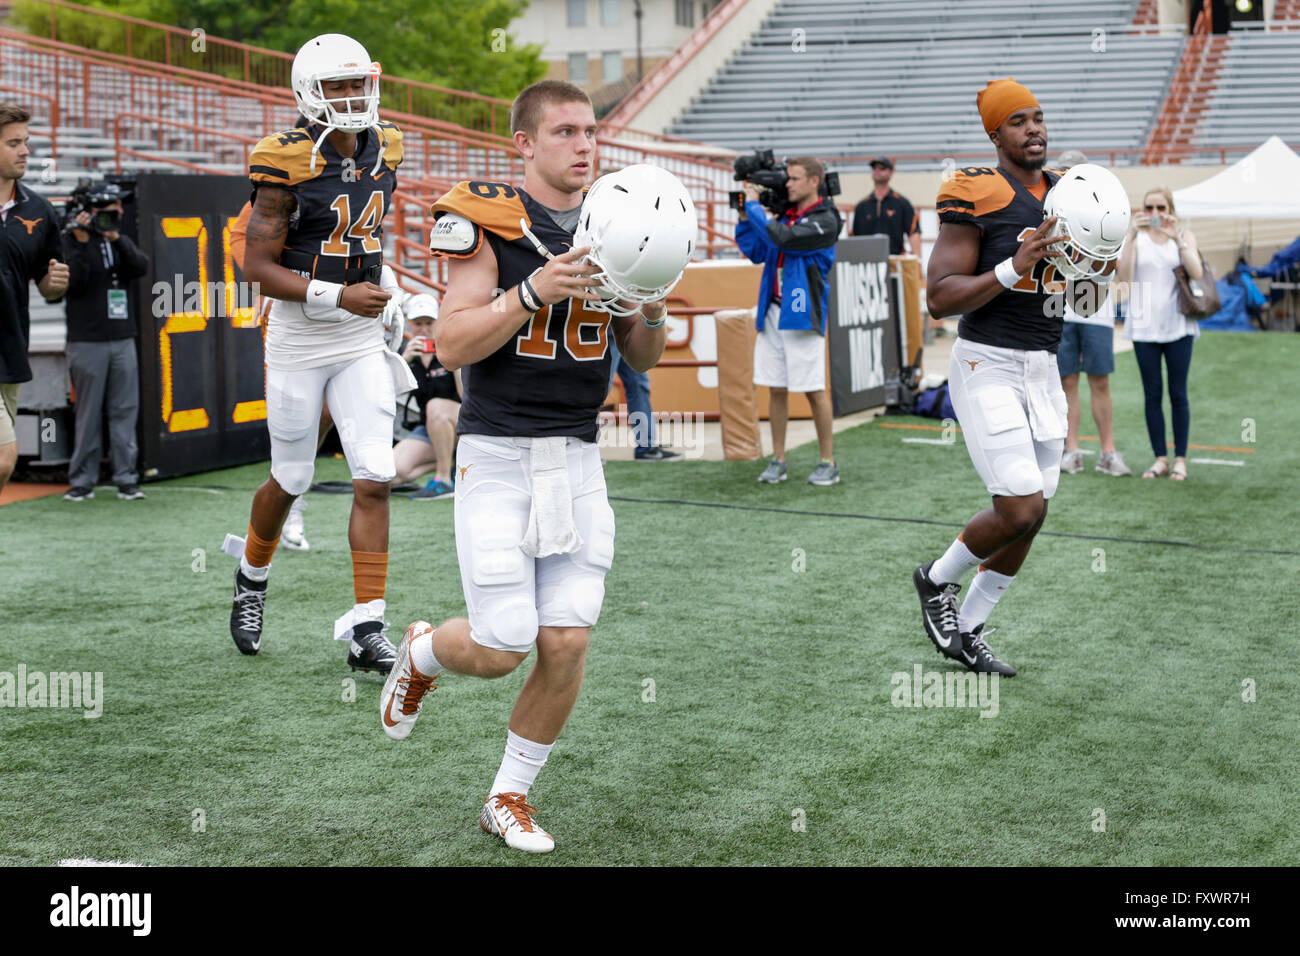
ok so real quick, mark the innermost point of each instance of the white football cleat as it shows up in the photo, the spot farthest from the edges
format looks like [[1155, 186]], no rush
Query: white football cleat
[[509, 817], [293, 535], [404, 690]]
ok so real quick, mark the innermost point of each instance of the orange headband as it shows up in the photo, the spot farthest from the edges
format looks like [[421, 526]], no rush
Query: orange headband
[[1000, 99]]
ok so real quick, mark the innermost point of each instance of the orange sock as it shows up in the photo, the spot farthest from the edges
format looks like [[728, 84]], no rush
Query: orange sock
[[258, 551], [369, 575]]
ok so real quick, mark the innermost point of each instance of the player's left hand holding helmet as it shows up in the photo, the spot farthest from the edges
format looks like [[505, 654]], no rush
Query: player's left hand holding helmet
[[1092, 211], [640, 224]]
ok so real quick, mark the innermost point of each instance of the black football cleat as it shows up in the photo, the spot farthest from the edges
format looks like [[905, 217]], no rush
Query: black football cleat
[[978, 656], [370, 649], [939, 612], [246, 613]]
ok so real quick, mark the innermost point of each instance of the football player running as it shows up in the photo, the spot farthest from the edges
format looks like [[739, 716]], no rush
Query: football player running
[[314, 245], [534, 530], [996, 264]]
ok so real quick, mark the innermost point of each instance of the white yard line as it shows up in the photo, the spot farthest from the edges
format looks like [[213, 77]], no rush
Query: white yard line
[[87, 861]]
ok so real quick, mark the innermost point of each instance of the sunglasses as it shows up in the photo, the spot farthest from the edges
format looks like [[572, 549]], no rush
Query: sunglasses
[[1157, 208]]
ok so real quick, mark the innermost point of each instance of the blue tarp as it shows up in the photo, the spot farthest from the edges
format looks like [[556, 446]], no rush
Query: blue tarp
[[1281, 263]]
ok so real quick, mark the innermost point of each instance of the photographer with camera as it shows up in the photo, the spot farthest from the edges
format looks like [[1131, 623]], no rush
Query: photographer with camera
[[101, 338], [437, 392], [797, 250]]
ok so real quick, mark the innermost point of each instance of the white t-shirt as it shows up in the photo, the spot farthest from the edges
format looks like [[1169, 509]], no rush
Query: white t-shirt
[[1151, 314]]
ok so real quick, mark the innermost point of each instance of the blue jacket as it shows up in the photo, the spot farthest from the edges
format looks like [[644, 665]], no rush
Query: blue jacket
[[806, 249]]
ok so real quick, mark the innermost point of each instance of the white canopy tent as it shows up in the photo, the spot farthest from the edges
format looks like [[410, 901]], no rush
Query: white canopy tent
[[1262, 185]]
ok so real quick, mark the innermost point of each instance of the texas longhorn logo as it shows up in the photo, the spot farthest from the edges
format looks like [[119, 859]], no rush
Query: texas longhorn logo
[[972, 364], [30, 223]]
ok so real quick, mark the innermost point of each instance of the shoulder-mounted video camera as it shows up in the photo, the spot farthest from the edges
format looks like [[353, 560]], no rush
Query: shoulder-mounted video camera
[[94, 198], [762, 169]]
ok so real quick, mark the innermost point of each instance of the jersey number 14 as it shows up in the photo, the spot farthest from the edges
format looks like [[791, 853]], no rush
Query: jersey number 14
[[362, 229]]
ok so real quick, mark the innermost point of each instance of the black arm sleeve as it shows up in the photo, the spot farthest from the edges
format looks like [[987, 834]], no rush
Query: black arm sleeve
[[820, 230]]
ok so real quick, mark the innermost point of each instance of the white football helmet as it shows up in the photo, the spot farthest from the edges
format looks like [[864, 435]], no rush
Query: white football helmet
[[640, 224], [333, 56], [1092, 209]]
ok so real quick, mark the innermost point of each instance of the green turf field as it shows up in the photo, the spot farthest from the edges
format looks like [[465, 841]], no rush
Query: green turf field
[[772, 687]]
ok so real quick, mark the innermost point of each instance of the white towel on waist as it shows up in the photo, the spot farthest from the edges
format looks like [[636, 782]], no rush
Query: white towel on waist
[[551, 529], [403, 377], [1045, 421]]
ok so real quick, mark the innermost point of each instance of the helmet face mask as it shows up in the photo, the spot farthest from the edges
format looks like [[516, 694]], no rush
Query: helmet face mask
[[333, 56], [1092, 210], [641, 225]]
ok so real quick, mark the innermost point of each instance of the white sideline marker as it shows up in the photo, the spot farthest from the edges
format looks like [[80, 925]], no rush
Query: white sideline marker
[[75, 861], [927, 441], [1216, 461]]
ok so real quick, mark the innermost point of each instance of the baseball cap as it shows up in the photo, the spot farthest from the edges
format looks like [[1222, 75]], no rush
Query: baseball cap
[[421, 304], [883, 161]]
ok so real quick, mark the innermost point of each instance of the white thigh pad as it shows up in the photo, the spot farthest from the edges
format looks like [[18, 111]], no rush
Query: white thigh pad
[[1001, 409], [496, 558], [363, 405]]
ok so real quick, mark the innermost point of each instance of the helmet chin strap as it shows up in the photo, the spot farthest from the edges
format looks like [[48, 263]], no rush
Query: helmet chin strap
[[537, 243]]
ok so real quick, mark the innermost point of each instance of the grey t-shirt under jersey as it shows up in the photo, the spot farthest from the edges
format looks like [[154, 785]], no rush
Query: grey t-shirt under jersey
[[566, 219]]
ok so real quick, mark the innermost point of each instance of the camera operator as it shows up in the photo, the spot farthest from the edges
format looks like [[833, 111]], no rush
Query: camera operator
[[101, 339], [29, 250], [797, 250]]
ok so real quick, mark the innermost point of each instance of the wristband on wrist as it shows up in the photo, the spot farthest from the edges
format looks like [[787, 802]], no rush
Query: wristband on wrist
[[653, 325], [528, 295], [322, 295], [1006, 273]]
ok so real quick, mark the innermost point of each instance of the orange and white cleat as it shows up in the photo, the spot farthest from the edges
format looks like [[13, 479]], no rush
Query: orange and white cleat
[[511, 818], [404, 690]]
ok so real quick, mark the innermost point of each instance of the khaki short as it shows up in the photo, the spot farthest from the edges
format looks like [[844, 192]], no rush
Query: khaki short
[[8, 412]]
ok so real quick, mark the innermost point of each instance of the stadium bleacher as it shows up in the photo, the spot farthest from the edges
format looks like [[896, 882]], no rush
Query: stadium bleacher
[[860, 88], [1246, 107]]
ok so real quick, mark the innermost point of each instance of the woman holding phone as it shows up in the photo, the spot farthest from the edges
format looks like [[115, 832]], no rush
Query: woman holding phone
[[1156, 244], [437, 390]]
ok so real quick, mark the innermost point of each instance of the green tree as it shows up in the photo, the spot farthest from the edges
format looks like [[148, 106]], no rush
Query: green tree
[[461, 44]]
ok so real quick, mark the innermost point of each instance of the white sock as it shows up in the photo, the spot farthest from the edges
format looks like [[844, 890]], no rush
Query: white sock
[[422, 658], [985, 590], [252, 573], [520, 765], [954, 563], [371, 610]]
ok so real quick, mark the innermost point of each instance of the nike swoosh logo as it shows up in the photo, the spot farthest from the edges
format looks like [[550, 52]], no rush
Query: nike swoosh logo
[[319, 292], [388, 713], [938, 639], [969, 658], [379, 175]]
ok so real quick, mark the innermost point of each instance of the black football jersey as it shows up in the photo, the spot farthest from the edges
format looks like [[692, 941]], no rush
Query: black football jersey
[[1029, 315], [336, 232], [551, 378]]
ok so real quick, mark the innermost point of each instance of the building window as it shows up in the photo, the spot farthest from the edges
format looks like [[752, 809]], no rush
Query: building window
[[577, 68], [611, 66], [685, 13], [610, 15], [577, 10]]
